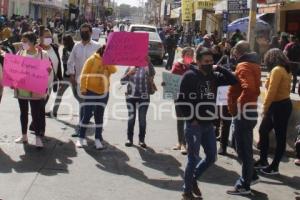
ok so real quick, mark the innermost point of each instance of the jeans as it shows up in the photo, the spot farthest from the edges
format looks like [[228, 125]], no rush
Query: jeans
[[243, 133], [38, 117], [223, 124], [196, 135], [60, 92], [180, 126], [277, 118], [171, 57], [141, 106], [94, 105]]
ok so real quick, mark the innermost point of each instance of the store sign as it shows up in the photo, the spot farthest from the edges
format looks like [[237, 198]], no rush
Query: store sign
[[237, 6], [203, 4], [175, 13], [199, 14], [225, 21], [187, 10]]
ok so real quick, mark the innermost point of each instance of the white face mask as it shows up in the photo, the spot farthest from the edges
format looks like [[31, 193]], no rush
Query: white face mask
[[47, 41], [25, 46]]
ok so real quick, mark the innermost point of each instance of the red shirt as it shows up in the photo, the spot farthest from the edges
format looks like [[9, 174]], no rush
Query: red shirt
[[179, 68]]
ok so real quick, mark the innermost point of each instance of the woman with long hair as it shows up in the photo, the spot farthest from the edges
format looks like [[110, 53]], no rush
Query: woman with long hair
[[277, 109], [179, 68]]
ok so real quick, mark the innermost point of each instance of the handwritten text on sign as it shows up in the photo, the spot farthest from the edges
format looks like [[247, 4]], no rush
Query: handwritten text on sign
[[172, 85], [26, 73], [222, 96], [128, 49]]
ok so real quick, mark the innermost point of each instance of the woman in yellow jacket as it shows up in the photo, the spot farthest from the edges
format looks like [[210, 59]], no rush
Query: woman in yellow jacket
[[277, 109], [94, 86]]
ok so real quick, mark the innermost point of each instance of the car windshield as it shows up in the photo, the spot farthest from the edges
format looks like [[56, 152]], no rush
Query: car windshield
[[152, 36], [142, 28]]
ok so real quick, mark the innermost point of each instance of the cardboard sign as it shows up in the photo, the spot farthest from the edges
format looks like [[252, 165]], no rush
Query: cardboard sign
[[126, 48], [222, 96], [172, 85], [26, 73]]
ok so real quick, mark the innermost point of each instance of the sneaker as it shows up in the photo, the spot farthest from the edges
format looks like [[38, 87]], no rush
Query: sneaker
[[99, 145], [183, 150], [297, 162], [255, 180], [196, 190], [129, 143], [188, 196], [270, 171], [80, 143], [239, 190], [222, 151], [143, 145], [22, 140], [177, 147], [39, 142], [261, 164]]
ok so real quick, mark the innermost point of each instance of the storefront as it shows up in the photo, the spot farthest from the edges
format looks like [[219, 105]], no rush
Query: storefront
[[4, 7], [44, 9]]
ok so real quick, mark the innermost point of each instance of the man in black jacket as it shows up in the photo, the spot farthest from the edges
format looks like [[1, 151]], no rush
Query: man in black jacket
[[197, 100], [171, 45]]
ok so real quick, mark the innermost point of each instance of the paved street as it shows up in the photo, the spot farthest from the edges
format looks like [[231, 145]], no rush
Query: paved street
[[63, 172]]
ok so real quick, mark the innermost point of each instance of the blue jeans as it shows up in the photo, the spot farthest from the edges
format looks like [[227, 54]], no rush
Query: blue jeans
[[243, 133], [94, 105], [141, 106], [196, 135]]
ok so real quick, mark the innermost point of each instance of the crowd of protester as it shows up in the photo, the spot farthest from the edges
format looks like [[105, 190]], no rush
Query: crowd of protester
[[211, 63]]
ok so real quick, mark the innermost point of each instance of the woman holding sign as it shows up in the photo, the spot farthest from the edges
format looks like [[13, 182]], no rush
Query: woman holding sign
[[139, 89], [179, 68], [26, 98]]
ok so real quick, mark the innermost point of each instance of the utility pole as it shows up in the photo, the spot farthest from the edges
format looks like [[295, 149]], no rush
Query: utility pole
[[252, 23]]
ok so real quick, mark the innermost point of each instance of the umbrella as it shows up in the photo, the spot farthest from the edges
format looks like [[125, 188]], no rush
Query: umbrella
[[242, 25]]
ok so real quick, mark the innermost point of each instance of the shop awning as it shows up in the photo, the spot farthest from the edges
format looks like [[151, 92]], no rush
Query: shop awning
[[52, 3], [242, 25]]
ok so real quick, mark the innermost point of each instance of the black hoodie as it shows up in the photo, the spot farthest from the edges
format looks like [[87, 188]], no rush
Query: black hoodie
[[198, 92]]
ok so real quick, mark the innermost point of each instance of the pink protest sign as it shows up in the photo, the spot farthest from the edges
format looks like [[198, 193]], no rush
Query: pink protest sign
[[126, 48], [26, 73]]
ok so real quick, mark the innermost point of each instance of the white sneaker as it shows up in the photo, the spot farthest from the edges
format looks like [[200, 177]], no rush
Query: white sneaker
[[39, 142], [21, 140], [80, 143], [98, 144]]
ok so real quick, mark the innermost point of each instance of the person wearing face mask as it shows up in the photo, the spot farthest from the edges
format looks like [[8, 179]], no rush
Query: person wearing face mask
[[46, 43], [68, 43], [26, 98], [80, 53], [242, 105], [197, 102], [179, 68]]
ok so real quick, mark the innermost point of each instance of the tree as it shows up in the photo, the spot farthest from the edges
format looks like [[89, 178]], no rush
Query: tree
[[125, 10]]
